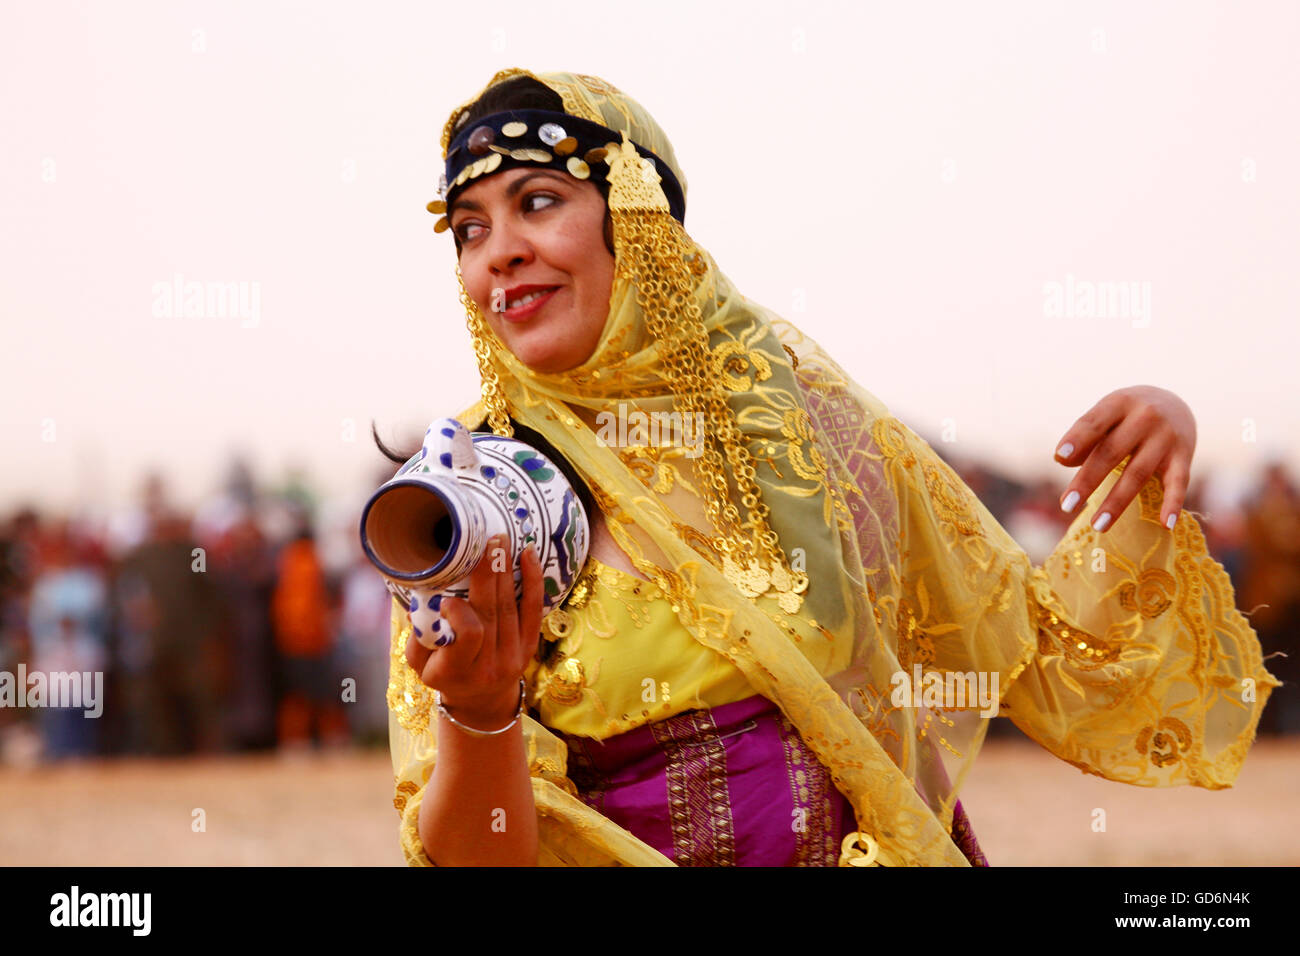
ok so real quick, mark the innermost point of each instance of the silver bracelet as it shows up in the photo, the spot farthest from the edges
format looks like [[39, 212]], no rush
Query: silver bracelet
[[437, 700]]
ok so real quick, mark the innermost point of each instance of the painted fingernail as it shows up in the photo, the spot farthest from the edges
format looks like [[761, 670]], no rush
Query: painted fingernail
[[1066, 450], [445, 634], [1070, 501], [1169, 522], [1103, 520]]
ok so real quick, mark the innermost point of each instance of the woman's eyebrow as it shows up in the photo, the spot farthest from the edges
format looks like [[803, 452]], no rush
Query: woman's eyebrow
[[511, 191]]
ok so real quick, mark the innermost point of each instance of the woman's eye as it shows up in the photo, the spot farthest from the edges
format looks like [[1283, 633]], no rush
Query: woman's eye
[[531, 196], [466, 235]]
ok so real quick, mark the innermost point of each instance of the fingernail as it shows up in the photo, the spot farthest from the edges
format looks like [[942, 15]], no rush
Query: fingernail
[[1102, 521], [1169, 522], [1066, 450], [445, 635], [1070, 501]]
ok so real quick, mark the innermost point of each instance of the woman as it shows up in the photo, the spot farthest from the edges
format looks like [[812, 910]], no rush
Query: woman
[[796, 620]]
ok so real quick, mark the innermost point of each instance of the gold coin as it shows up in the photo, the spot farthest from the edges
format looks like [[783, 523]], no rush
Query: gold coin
[[500, 150], [514, 129], [559, 622], [578, 168], [854, 855], [476, 167], [441, 225], [595, 155], [436, 206], [565, 146], [462, 176], [521, 154], [757, 578], [540, 155], [493, 161]]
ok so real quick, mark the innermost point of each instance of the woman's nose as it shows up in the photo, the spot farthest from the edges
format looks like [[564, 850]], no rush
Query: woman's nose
[[507, 248]]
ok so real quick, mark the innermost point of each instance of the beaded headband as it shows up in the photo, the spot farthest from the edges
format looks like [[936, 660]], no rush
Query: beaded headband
[[541, 138]]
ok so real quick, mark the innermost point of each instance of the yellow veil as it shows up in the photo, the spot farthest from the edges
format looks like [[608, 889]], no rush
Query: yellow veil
[[838, 552]]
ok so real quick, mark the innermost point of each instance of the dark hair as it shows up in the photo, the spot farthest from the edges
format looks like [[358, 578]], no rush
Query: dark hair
[[524, 93]]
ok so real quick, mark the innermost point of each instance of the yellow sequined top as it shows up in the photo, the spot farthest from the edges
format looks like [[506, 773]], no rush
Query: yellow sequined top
[[617, 657]]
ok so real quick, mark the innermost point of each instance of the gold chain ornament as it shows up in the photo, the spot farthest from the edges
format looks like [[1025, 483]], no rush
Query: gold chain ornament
[[494, 399], [653, 255]]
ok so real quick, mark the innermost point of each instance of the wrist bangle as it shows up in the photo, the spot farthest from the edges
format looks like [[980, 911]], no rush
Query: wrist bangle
[[474, 732]]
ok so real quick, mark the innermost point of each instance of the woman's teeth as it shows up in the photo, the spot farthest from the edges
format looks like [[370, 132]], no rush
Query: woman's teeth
[[524, 300]]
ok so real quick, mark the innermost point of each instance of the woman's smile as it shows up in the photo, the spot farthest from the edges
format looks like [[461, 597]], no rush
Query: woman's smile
[[528, 305]]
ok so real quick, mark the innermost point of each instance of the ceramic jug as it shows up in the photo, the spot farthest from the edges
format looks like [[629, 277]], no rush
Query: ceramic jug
[[427, 527]]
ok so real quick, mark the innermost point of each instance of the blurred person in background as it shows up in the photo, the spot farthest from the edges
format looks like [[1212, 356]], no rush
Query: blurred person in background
[[69, 731], [67, 620], [302, 620], [364, 647], [173, 666], [1272, 589], [19, 546], [244, 571], [241, 560]]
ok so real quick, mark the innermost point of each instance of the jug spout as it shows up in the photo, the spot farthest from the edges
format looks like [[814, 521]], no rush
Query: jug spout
[[448, 445]]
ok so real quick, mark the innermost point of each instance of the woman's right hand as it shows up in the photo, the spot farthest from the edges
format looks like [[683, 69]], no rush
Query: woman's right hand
[[479, 672]]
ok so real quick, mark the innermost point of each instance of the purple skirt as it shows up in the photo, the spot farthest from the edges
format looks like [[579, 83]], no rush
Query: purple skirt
[[730, 786]]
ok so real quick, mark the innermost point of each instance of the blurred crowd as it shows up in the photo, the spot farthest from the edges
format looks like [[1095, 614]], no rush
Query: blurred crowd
[[236, 628]]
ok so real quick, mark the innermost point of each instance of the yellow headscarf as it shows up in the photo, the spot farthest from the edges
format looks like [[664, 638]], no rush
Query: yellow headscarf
[[823, 548]]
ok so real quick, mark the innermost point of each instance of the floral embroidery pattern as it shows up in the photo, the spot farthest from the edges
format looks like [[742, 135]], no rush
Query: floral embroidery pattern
[[732, 362], [951, 499], [798, 428], [566, 682], [404, 791], [650, 465], [1166, 742], [915, 635], [891, 437], [1151, 595]]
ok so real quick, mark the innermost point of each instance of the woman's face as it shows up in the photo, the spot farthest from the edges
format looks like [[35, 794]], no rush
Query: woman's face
[[537, 228]]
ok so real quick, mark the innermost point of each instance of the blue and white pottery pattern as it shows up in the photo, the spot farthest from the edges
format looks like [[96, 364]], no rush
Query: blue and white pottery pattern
[[491, 485]]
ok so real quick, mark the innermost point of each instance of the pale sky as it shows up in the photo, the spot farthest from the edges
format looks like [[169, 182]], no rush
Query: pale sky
[[916, 175]]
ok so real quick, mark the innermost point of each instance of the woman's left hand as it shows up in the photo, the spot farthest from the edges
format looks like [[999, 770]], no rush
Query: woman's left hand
[[1153, 425]]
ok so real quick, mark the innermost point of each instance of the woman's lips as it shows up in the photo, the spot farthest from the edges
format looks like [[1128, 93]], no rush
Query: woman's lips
[[526, 311]]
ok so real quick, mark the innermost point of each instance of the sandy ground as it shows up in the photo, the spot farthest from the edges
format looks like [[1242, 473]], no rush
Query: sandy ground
[[336, 810]]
